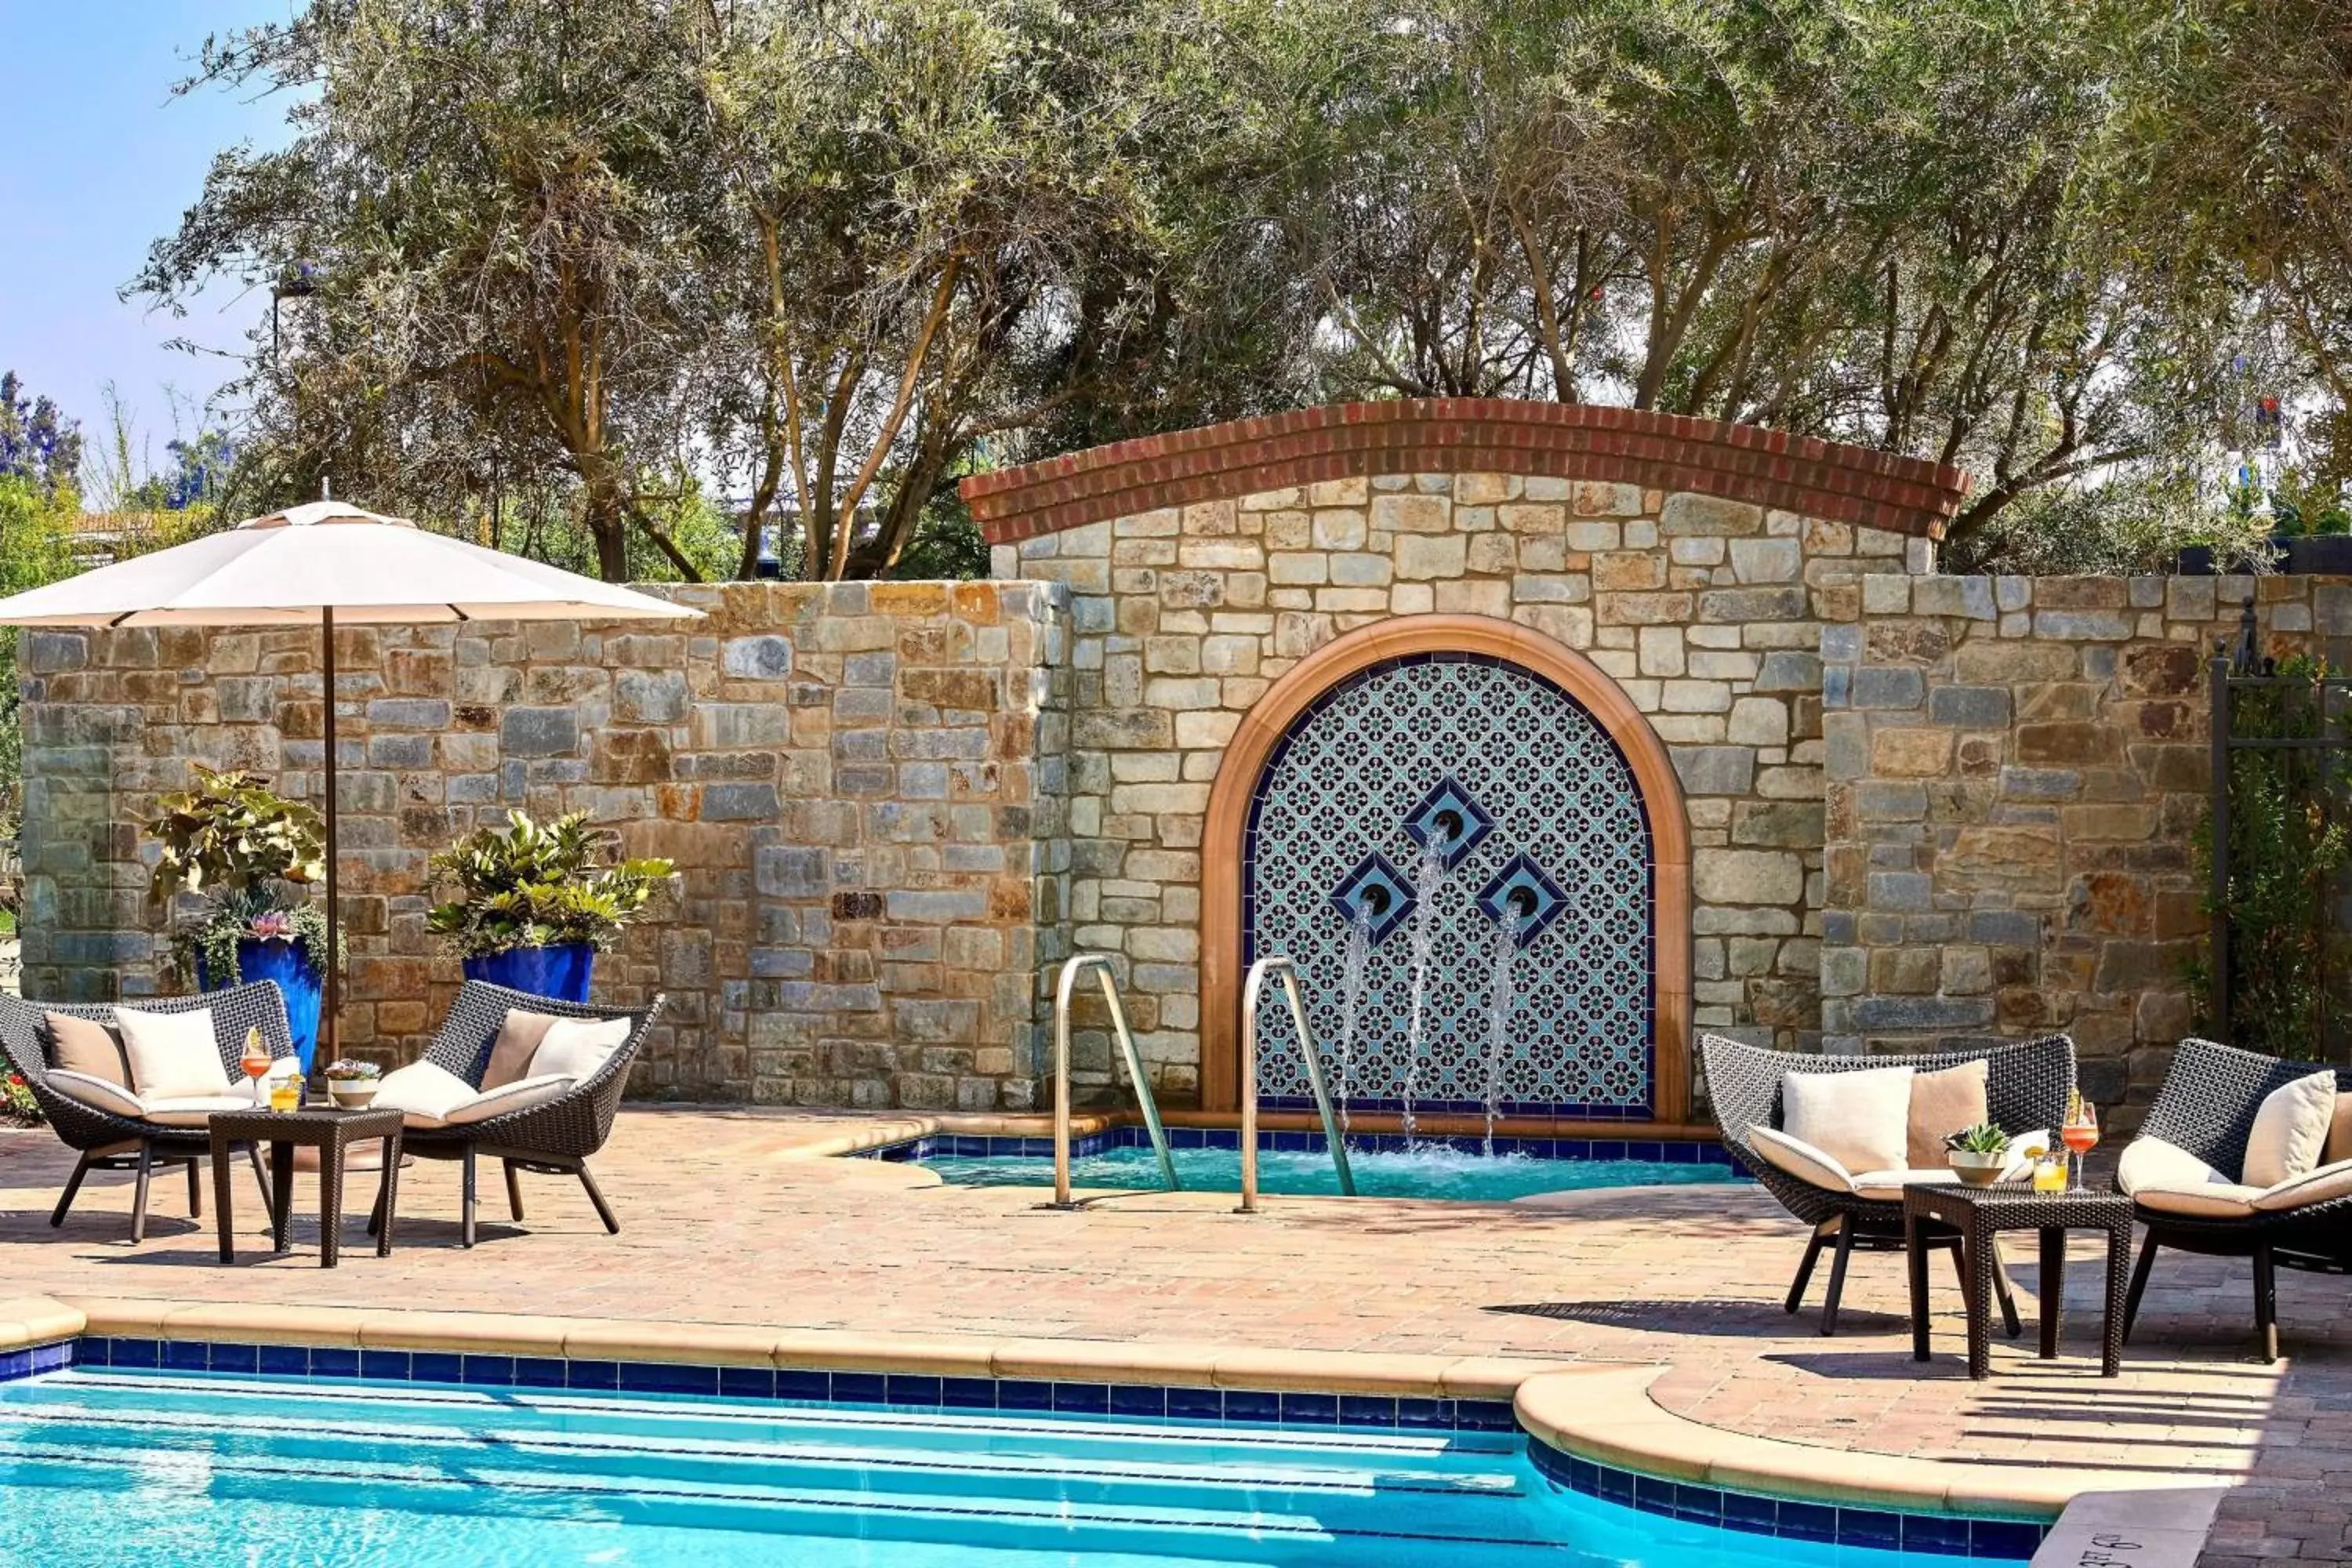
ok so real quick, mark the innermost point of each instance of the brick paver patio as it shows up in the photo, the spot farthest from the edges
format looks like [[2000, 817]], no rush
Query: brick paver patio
[[724, 1223]]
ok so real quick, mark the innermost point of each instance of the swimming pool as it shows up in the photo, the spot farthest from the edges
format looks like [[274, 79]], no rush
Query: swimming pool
[[190, 1471], [1298, 1162]]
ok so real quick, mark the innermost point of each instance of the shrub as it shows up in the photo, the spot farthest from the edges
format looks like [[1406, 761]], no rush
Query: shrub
[[529, 885]]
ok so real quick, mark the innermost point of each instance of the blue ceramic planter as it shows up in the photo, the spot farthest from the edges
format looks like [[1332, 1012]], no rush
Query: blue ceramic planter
[[563, 973], [298, 981]]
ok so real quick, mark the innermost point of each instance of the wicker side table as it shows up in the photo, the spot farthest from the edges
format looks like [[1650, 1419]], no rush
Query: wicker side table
[[1980, 1214], [331, 1133]]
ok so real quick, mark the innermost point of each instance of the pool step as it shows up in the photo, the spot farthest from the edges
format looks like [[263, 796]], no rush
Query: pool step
[[776, 1469]]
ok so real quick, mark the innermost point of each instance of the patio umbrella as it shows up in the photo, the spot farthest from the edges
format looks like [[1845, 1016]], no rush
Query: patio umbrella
[[326, 563]]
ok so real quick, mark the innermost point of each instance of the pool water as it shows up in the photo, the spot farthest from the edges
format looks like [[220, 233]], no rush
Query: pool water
[[1430, 1171], [183, 1471]]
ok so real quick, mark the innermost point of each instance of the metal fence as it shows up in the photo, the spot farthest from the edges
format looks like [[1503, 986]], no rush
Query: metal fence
[[2280, 975]]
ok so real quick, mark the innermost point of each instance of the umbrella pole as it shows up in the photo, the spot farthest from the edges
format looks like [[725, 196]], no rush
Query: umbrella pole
[[330, 1031]]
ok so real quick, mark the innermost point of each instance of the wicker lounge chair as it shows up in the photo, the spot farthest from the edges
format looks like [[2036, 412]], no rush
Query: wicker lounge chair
[[554, 1138], [107, 1142], [2206, 1108], [2026, 1086]]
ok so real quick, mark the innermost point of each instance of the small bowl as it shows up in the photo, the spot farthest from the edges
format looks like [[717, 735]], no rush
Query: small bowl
[[1976, 1169], [353, 1093]]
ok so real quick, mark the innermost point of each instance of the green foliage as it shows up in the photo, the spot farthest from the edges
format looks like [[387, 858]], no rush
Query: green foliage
[[2289, 846], [233, 836], [348, 1071], [533, 885], [1984, 1138], [16, 1101], [207, 949]]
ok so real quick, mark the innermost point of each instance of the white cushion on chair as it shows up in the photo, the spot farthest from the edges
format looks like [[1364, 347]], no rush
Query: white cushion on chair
[[424, 1093], [520, 1095], [1886, 1186], [576, 1048], [1800, 1159], [2290, 1131], [192, 1109], [172, 1055], [97, 1093], [2322, 1186], [2169, 1179], [1861, 1119]]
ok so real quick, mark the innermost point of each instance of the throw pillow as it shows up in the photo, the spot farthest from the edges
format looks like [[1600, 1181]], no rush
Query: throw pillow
[[576, 1048], [1943, 1102], [1860, 1119], [172, 1055], [519, 1039], [427, 1094], [86, 1046], [2290, 1131], [1800, 1159]]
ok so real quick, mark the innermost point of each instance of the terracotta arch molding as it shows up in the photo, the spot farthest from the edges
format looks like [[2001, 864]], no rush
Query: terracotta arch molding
[[1262, 727]]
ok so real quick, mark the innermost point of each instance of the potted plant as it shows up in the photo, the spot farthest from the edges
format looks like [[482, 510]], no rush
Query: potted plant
[[249, 857], [352, 1085], [1978, 1154], [535, 901]]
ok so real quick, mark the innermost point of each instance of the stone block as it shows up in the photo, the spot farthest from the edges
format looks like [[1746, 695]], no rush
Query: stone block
[[1884, 687], [2085, 626], [1970, 707], [1715, 770], [1686, 513], [1765, 559], [1431, 557], [539, 732], [1746, 877], [1732, 606], [1969, 598], [1922, 1012], [754, 658]]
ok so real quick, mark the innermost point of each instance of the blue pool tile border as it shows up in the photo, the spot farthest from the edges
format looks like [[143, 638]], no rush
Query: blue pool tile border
[[1946, 1535], [1941, 1534], [906, 1390], [1669, 1152]]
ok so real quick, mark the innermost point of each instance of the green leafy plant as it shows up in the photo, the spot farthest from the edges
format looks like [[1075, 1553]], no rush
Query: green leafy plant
[[251, 855], [347, 1071], [232, 834], [539, 885], [1984, 1138], [2290, 848]]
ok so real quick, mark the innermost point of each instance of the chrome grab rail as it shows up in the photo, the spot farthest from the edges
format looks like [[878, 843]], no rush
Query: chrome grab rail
[[1282, 969], [1077, 966]]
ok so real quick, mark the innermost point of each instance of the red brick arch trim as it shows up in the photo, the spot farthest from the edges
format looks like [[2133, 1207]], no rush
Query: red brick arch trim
[[1468, 434]]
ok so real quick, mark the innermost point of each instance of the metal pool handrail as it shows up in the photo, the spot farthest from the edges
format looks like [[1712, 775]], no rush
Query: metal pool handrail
[[1282, 969], [1077, 966]]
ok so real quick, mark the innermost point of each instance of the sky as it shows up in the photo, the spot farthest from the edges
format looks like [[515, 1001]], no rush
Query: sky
[[102, 160]]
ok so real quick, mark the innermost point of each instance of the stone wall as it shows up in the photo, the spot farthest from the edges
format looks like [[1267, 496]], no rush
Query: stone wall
[[1708, 612], [2016, 770], [862, 787]]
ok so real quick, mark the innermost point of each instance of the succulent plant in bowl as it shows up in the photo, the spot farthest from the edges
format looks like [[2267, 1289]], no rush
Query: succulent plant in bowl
[[353, 1084], [1978, 1154]]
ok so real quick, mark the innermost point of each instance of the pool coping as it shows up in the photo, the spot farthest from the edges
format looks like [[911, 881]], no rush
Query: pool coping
[[1594, 1414]]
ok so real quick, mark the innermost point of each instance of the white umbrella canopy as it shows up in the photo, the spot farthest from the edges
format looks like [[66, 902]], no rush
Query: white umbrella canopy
[[291, 567], [323, 564]]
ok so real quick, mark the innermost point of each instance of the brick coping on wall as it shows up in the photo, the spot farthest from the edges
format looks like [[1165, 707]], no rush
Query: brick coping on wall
[[1464, 434]]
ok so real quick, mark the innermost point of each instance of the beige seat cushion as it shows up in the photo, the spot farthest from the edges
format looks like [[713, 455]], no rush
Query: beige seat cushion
[[2339, 1133], [192, 1109], [1800, 1159], [2290, 1131], [173, 1056], [519, 1040], [576, 1048], [520, 1095], [1943, 1102], [1860, 1119], [2168, 1178], [1886, 1186], [2324, 1184], [97, 1093], [86, 1046], [423, 1093]]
